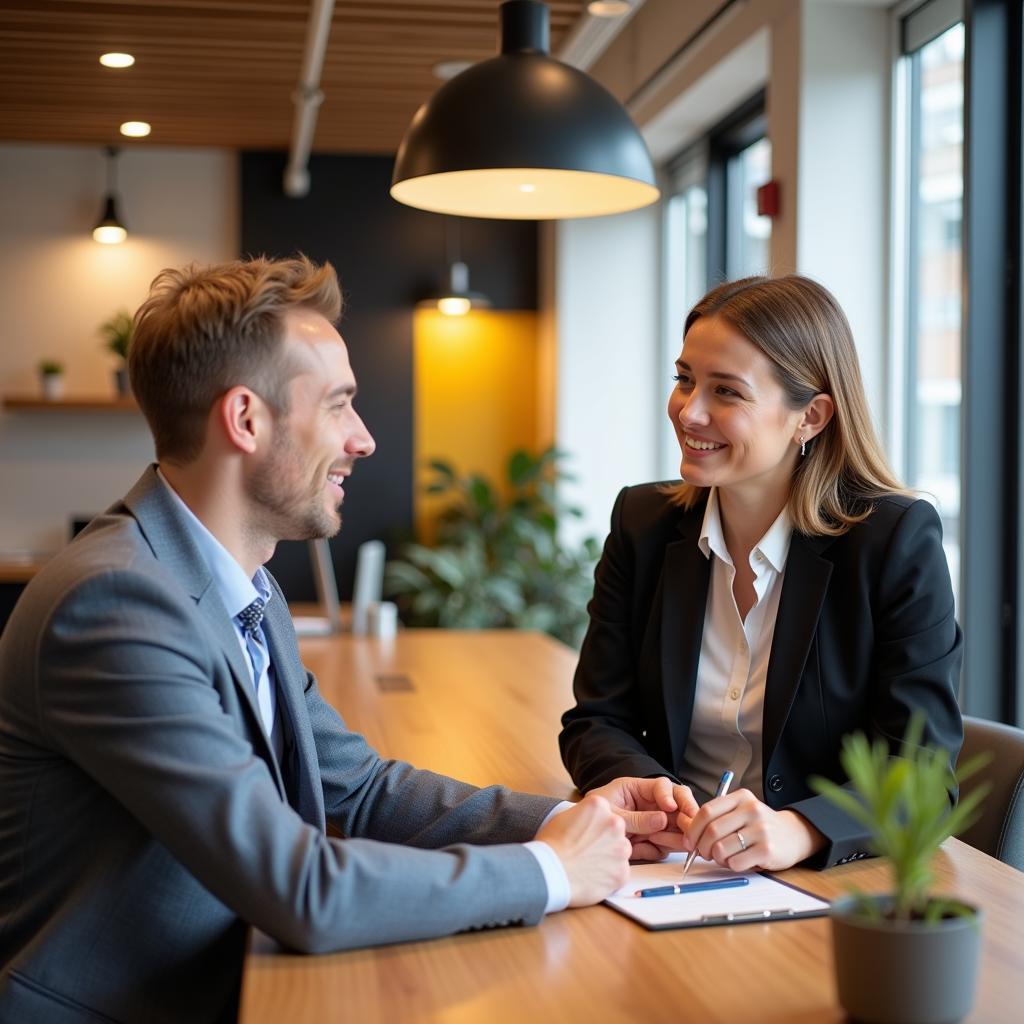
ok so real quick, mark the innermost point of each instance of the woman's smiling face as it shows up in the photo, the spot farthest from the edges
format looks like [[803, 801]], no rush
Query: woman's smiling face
[[730, 414]]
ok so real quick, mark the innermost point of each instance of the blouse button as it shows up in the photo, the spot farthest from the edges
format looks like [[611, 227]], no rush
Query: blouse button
[[734, 694]]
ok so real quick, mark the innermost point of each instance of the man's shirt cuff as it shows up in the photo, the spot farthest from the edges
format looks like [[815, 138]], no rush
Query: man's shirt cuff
[[555, 877]]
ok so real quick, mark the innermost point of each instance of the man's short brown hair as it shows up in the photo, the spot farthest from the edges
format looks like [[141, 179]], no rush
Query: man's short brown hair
[[204, 330]]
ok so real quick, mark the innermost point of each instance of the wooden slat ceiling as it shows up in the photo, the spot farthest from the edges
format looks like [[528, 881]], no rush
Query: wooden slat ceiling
[[222, 72]]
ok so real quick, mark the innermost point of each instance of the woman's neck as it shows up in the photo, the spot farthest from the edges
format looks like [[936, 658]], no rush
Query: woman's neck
[[747, 516]]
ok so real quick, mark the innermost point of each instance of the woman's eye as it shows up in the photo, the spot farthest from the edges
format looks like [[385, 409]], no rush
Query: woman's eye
[[681, 379], [728, 392]]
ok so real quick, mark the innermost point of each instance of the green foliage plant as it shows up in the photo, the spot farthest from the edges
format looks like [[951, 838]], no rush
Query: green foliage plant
[[497, 561], [904, 803], [117, 333], [50, 367]]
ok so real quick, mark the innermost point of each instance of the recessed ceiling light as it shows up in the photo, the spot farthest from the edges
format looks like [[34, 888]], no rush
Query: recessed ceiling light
[[446, 69], [609, 8], [117, 60], [136, 129]]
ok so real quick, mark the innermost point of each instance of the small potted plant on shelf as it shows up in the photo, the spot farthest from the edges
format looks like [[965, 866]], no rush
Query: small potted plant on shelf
[[117, 337], [908, 957], [51, 379]]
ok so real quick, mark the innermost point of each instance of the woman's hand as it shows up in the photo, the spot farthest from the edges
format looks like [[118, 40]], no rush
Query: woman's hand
[[655, 812], [742, 833]]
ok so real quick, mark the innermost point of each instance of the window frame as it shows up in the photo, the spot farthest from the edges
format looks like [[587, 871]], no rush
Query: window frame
[[742, 128]]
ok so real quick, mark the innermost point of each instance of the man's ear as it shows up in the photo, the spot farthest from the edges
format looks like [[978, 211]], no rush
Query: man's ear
[[242, 417], [816, 416]]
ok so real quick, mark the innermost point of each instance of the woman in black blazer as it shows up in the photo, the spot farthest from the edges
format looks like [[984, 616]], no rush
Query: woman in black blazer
[[788, 592]]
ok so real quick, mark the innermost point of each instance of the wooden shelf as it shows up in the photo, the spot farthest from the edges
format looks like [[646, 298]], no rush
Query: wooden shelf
[[35, 403], [20, 570]]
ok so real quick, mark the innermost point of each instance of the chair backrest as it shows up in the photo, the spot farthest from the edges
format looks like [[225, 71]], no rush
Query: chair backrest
[[1000, 829]]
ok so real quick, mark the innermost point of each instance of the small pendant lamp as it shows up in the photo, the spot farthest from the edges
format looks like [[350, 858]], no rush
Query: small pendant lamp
[[523, 136], [110, 230], [455, 299]]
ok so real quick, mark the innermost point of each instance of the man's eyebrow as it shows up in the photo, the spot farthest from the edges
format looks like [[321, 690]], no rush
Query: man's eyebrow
[[342, 391], [717, 374]]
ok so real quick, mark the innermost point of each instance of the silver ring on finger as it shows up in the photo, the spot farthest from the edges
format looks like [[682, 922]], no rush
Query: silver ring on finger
[[743, 842]]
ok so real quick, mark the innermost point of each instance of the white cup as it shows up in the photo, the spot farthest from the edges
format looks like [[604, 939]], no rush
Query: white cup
[[382, 619]]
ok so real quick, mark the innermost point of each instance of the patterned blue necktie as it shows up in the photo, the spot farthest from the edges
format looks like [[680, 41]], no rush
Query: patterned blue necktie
[[255, 643], [252, 615]]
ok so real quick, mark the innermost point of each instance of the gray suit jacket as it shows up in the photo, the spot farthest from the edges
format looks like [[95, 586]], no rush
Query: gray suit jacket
[[144, 820]]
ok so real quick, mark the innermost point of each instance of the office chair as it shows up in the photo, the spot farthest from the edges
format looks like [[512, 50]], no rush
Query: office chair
[[999, 830]]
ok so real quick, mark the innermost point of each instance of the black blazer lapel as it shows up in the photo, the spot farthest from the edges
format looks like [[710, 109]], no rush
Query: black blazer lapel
[[803, 593], [685, 578]]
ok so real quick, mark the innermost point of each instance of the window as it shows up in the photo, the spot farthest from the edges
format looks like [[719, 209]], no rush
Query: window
[[932, 91], [685, 262], [748, 235], [739, 163]]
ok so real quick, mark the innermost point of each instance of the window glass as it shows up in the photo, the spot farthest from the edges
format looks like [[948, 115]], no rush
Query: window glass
[[686, 275], [935, 212], [748, 235]]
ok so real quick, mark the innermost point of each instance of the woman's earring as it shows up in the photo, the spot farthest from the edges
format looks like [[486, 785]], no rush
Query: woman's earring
[[803, 446]]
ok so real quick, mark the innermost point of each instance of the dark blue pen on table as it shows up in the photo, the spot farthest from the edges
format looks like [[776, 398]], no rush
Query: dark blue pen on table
[[679, 890], [723, 787]]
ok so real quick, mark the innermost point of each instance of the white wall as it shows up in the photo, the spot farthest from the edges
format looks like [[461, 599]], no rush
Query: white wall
[[607, 273], [57, 286], [843, 209]]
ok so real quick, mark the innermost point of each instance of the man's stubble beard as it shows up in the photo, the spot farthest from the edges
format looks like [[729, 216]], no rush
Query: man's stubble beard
[[284, 508]]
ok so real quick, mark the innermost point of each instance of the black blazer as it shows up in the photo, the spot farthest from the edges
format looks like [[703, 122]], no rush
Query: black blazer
[[865, 636]]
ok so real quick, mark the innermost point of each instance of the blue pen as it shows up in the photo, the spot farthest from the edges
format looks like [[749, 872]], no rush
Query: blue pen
[[723, 787], [679, 890]]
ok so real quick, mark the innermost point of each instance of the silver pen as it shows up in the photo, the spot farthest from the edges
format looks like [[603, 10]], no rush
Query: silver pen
[[723, 787]]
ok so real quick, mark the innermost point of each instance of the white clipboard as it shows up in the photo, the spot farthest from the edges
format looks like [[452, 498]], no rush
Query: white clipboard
[[763, 899]]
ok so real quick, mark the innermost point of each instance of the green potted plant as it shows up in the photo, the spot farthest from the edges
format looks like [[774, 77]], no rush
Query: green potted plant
[[51, 378], [117, 338], [497, 560], [908, 957]]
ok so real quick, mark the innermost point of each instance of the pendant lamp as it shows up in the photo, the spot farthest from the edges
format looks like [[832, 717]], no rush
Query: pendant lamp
[[110, 230], [455, 299], [523, 136]]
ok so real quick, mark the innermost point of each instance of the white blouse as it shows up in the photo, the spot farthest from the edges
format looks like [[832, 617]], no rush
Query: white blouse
[[728, 706]]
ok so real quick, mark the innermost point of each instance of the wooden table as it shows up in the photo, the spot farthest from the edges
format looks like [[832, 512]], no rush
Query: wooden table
[[485, 707]]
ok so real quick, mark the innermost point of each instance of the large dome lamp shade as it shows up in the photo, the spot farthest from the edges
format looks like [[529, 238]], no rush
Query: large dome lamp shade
[[523, 136]]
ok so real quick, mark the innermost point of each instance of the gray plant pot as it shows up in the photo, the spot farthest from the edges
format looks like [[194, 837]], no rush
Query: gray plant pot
[[121, 382], [896, 972]]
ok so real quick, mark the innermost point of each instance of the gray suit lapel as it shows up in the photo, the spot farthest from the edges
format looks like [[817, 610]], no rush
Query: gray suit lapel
[[300, 749], [164, 528]]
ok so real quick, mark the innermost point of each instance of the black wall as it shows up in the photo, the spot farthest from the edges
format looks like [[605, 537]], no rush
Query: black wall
[[387, 256]]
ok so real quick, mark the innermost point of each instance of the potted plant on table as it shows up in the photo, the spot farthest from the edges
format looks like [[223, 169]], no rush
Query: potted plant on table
[[51, 379], [117, 337], [908, 957]]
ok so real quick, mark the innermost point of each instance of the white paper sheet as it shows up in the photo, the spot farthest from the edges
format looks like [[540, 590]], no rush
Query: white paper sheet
[[763, 899]]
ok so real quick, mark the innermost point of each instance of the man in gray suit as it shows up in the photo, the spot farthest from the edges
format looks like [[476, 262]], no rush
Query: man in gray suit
[[168, 767]]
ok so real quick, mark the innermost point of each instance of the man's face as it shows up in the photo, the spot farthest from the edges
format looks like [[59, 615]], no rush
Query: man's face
[[296, 489]]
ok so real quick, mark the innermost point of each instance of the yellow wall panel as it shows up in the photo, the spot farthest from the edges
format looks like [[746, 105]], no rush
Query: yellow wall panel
[[475, 394]]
